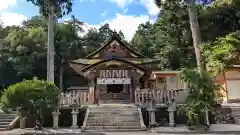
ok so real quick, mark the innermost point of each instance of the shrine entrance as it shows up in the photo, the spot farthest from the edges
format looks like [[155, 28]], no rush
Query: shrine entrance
[[114, 88]]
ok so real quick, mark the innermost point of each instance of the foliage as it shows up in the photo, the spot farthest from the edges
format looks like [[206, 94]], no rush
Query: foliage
[[143, 40], [23, 52], [62, 7], [202, 93], [222, 53], [31, 95]]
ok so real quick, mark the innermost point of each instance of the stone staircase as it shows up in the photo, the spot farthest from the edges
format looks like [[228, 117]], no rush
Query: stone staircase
[[236, 114], [6, 119], [113, 117]]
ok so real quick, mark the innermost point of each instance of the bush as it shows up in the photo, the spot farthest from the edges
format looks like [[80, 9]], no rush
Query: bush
[[202, 94], [31, 95]]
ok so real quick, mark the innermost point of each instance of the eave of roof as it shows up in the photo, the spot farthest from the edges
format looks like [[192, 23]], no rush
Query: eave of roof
[[165, 72], [87, 62], [113, 59]]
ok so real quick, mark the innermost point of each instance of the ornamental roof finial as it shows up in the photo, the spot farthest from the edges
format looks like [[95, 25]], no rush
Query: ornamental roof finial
[[115, 34]]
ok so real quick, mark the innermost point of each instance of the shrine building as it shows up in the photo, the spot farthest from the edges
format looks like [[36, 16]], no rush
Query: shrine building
[[118, 82], [115, 72]]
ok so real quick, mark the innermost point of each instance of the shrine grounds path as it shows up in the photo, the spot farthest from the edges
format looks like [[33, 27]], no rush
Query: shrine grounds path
[[216, 129]]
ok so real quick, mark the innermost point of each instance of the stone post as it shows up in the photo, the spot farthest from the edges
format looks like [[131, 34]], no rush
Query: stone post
[[74, 118], [171, 110], [23, 122], [55, 118], [151, 111]]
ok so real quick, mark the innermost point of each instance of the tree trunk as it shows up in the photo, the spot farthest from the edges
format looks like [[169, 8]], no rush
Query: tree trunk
[[61, 77], [193, 20], [50, 47]]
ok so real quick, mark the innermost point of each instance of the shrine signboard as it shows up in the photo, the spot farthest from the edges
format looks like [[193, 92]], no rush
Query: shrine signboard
[[114, 77], [113, 80]]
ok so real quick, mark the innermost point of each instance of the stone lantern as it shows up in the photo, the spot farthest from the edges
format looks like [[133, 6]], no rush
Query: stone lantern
[[74, 114], [172, 107], [151, 110]]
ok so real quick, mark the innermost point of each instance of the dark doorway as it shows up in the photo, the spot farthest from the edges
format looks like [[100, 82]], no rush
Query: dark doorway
[[114, 88]]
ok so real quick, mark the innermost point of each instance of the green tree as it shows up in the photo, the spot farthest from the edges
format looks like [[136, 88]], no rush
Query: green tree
[[53, 9], [143, 40], [31, 96], [202, 93], [222, 52]]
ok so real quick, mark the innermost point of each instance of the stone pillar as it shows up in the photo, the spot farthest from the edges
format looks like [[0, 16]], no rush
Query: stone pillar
[[23, 122], [151, 111], [74, 118], [55, 118], [171, 111]]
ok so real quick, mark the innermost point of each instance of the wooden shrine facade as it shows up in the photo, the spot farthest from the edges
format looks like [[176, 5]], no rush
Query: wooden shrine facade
[[114, 71]]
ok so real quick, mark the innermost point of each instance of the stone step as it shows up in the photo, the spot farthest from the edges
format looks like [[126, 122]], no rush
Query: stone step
[[112, 127], [3, 126], [118, 115], [8, 115], [115, 118], [112, 108], [3, 129], [113, 111], [113, 114], [118, 124], [110, 121], [6, 120]]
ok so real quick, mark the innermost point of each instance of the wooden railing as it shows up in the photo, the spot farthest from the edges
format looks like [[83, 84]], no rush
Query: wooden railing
[[77, 98], [160, 96]]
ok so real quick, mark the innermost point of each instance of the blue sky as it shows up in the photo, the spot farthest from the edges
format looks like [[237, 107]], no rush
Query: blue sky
[[123, 15]]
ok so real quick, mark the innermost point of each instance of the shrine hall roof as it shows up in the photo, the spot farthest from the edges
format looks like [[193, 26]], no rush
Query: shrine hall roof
[[123, 43], [134, 61], [113, 59]]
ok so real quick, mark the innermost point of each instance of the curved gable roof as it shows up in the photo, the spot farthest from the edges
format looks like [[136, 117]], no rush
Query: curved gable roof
[[108, 41]]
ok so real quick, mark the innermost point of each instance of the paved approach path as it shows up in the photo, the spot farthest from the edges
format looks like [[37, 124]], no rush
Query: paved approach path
[[23, 132], [216, 129]]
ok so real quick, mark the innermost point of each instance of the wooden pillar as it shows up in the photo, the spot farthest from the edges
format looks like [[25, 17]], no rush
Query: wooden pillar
[[131, 92], [135, 87], [97, 91], [145, 84], [91, 91]]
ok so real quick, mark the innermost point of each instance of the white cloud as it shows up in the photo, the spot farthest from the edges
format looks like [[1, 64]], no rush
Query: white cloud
[[6, 3], [104, 13], [128, 24], [10, 19], [148, 4], [122, 3], [86, 27], [125, 10]]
